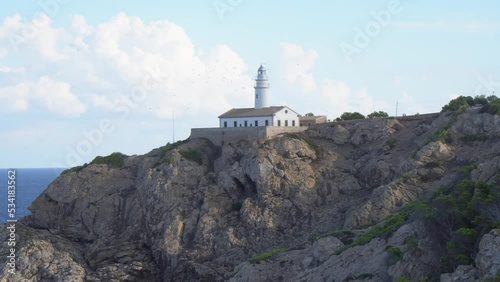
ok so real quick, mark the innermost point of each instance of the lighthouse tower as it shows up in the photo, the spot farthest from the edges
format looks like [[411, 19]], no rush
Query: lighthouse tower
[[261, 88]]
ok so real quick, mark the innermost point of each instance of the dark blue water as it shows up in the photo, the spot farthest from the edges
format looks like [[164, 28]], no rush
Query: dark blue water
[[29, 182]]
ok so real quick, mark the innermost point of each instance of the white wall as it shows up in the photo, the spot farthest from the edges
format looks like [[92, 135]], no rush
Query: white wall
[[286, 114], [250, 121], [261, 97]]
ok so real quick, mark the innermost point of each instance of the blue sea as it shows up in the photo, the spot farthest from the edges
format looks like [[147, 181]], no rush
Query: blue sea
[[30, 183]]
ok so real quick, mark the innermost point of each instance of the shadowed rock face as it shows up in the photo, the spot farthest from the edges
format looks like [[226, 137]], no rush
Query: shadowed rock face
[[167, 218]]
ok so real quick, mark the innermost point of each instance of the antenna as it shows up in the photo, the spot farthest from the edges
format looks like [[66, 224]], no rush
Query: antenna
[[173, 126]]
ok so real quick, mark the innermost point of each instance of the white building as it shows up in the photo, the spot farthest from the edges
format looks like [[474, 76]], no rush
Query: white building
[[262, 114]]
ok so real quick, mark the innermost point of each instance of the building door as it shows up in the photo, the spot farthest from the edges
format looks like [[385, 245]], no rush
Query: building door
[[286, 122], [225, 124], [256, 123], [279, 122], [267, 122], [293, 123], [235, 124], [246, 123]]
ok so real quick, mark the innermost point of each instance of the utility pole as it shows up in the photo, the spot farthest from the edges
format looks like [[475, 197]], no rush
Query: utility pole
[[396, 108]]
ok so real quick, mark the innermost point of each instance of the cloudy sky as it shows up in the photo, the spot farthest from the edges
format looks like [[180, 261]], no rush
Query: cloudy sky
[[86, 78]]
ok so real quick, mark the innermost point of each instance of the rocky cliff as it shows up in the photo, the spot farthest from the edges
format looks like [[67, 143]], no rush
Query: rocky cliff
[[347, 201]]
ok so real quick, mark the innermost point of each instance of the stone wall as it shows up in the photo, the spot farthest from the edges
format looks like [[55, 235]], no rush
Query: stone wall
[[219, 136]]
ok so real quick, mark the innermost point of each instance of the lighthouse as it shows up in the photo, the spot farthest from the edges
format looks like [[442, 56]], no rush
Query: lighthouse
[[262, 114], [261, 89]]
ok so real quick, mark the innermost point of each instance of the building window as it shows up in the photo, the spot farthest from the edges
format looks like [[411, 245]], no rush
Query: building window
[[286, 111], [246, 123], [279, 122], [256, 123], [225, 124], [293, 123], [286, 122], [267, 122], [235, 124]]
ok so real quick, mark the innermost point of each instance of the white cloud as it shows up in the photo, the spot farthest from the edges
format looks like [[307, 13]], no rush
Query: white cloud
[[97, 65], [448, 26], [6, 69], [340, 98], [298, 64], [35, 37], [9, 25], [57, 97], [15, 98]]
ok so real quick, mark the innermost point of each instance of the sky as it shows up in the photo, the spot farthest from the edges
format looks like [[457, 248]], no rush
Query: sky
[[80, 79]]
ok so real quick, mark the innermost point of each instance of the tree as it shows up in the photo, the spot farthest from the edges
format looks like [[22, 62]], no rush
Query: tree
[[492, 108], [350, 116], [378, 114], [459, 104], [480, 100], [491, 98], [309, 115]]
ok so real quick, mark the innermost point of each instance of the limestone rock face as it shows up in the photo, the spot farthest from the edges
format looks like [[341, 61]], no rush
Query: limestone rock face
[[463, 273], [488, 258], [478, 124], [166, 216]]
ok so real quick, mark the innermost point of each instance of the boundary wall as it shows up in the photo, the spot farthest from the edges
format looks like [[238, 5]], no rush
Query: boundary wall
[[222, 135]]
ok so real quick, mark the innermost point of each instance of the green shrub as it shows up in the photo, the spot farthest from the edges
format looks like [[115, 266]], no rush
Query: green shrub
[[440, 135], [385, 228], [74, 169], [192, 155], [237, 206], [391, 142], [342, 234], [411, 242], [378, 114], [350, 116], [407, 176], [115, 159], [168, 147], [167, 160], [492, 108], [267, 255], [495, 278], [469, 168], [293, 135], [458, 104], [312, 144], [396, 252]]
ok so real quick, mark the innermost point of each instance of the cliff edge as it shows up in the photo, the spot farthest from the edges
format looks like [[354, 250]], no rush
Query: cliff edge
[[345, 201]]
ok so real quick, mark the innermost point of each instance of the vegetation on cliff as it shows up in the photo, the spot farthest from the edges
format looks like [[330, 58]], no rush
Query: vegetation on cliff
[[115, 159]]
